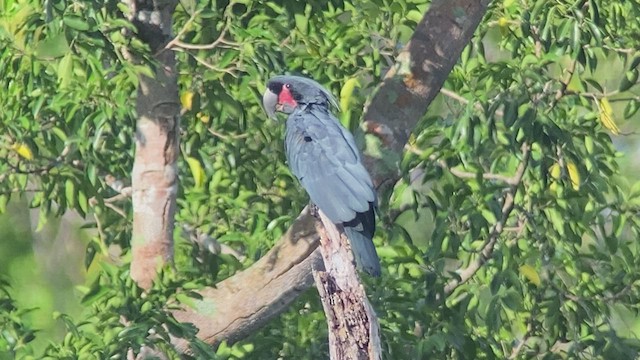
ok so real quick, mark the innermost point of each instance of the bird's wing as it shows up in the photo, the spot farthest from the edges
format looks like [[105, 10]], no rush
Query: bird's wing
[[324, 157]]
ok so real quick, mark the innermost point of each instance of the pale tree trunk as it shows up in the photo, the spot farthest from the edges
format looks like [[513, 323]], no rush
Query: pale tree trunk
[[239, 305], [155, 176]]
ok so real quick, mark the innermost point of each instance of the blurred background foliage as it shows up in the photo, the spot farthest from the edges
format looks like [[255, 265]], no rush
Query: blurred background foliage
[[560, 77]]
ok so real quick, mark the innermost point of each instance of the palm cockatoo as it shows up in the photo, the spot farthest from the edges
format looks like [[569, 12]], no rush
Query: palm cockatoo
[[324, 157]]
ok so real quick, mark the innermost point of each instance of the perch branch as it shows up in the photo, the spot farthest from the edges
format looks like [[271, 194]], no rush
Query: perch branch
[[353, 325]]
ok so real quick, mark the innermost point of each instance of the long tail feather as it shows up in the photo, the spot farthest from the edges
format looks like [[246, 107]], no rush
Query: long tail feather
[[364, 251]]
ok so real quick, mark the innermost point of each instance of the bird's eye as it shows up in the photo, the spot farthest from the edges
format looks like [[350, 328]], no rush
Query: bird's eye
[[288, 86]]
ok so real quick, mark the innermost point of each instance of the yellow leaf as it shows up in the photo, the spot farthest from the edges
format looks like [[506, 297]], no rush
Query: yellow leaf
[[23, 150], [412, 140], [606, 116], [531, 274], [346, 93], [202, 117], [554, 171], [186, 99], [503, 25], [196, 171], [574, 175]]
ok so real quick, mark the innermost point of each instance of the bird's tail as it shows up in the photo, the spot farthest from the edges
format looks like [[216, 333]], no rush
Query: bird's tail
[[364, 251]]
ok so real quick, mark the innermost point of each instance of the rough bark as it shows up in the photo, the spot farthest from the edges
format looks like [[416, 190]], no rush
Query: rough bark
[[154, 175], [353, 324], [420, 70], [398, 104]]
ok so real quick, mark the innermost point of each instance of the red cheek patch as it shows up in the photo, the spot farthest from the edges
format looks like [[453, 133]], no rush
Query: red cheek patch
[[286, 98]]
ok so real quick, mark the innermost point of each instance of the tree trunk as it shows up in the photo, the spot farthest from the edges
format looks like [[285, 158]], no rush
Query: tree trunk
[[155, 177]]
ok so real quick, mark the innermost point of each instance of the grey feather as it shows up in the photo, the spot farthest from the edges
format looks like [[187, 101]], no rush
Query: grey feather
[[363, 250], [327, 166]]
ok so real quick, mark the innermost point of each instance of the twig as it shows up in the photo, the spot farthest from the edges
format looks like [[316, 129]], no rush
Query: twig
[[213, 45], [518, 348], [535, 34], [497, 229], [59, 160], [182, 31], [116, 209], [210, 243], [594, 95], [459, 98], [564, 84], [211, 66], [628, 51], [99, 228], [509, 180], [123, 192], [227, 137]]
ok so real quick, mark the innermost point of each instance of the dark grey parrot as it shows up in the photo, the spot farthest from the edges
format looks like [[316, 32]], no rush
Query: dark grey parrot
[[323, 155]]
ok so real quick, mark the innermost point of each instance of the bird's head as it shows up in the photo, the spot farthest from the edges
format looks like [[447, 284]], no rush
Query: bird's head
[[284, 93]]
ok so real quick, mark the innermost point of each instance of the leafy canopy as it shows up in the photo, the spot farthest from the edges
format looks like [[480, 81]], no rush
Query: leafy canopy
[[514, 165]]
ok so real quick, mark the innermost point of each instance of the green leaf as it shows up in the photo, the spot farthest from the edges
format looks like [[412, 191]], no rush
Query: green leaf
[[302, 23], [70, 192], [75, 22], [512, 300], [65, 70], [630, 79], [4, 199], [53, 47], [83, 203], [634, 192], [631, 108], [530, 273], [489, 216], [510, 113]]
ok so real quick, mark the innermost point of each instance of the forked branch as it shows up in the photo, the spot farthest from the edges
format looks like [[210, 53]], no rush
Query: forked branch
[[497, 229]]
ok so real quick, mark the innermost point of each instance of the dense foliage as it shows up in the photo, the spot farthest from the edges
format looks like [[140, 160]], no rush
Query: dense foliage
[[513, 168]]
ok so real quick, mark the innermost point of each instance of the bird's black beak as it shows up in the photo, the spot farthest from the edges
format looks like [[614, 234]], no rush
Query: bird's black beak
[[270, 103]]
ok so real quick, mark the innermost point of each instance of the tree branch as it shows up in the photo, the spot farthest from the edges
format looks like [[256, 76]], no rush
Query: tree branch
[[497, 229], [510, 180], [353, 324], [238, 305]]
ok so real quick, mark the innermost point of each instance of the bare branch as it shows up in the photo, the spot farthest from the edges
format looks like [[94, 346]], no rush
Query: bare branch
[[209, 243], [226, 137], [182, 31], [462, 100], [510, 180], [496, 230], [213, 67], [213, 45]]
